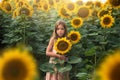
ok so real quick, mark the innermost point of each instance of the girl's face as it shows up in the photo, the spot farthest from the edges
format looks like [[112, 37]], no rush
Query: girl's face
[[60, 30]]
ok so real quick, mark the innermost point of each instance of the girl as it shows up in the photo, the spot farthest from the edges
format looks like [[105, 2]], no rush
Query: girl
[[59, 32]]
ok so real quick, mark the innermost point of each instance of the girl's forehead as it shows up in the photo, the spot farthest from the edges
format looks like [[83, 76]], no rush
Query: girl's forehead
[[60, 26]]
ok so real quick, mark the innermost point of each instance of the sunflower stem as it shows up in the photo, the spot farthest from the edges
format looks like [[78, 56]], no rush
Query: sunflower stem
[[24, 35], [95, 63], [24, 30]]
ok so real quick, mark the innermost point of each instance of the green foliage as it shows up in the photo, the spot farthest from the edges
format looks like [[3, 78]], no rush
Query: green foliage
[[73, 60], [5, 19], [47, 67], [36, 31], [63, 67], [82, 76]]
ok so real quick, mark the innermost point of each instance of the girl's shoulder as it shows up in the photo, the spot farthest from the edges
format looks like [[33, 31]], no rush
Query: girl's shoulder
[[52, 40]]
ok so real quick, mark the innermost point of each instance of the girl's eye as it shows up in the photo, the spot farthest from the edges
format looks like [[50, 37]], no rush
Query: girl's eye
[[60, 28], [57, 28]]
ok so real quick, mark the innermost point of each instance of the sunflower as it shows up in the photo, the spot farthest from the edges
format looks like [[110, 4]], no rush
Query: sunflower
[[20, 4], [63, 13], [25, 10], [51, 3], [114, 3], [74, 36], [62, 45], [70, 7], [83, 12], [89, 3], [79, 2], [45, 6], [98, 4], [17, 64], [102, 12], [109, 69], [6, 6], [107, 21], [77, 22]]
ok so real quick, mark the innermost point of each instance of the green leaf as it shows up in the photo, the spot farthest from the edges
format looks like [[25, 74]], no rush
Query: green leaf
[[74, 60], [103, 43], [93, 34], [47, 67], [81, 75], [64, 68], [91, 51]]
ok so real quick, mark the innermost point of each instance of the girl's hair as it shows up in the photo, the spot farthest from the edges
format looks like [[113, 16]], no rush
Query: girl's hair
[[59, 22]]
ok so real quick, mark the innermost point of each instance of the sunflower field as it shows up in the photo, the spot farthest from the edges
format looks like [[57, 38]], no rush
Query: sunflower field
[[93, 28]]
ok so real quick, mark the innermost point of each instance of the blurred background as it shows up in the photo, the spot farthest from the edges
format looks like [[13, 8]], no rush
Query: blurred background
[[31, 22]]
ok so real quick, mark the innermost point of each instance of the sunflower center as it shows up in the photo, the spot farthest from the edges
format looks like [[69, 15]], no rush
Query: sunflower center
[[70, 6], [115, 72], [14, 70], [8, 7], [45, 6], [73, 37], [62, 45], [115, 2], [106, 20], [76, 22], [51, 2], [83, 12], [24, 11]]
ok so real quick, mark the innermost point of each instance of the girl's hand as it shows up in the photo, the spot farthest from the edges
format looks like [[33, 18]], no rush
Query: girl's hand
[[62, 57]]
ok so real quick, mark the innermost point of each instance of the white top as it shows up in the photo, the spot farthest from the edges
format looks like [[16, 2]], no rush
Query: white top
[[52, 58]]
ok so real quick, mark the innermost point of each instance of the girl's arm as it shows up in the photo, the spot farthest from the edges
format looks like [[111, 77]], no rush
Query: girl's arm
[[49, 49]]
